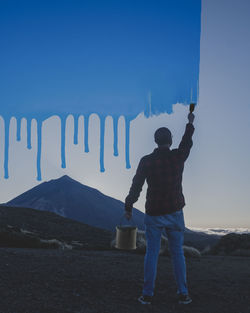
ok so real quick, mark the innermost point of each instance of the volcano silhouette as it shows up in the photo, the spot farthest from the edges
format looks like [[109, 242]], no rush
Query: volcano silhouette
[[69, 198]]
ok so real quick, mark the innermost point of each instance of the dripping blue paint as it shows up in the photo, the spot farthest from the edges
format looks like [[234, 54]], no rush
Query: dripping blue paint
[[104, 57]]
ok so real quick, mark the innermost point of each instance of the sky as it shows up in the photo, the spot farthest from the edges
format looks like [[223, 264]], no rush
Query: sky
[[217, 174]]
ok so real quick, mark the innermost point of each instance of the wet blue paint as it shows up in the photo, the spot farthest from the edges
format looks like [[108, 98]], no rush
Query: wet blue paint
[[110, 58], [39, 149], [18, 129], [86, 133], [63, 135], [115, 132], [29, 133], [76, 120], [6, 145], [127, 140], [102, 135]]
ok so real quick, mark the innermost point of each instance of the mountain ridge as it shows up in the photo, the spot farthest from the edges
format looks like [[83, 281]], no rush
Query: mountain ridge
[[72, 199], [69, 198]]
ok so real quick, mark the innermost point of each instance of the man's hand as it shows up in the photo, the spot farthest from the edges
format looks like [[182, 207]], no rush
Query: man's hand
[[128, 215], [191, 118]]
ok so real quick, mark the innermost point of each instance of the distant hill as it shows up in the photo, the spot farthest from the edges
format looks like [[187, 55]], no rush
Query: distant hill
[[199, 239], [18, 221], [69, 198], [232, 244]]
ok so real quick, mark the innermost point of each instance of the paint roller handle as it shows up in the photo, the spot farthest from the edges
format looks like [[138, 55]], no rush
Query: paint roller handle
[[191, 107], [191, 115]]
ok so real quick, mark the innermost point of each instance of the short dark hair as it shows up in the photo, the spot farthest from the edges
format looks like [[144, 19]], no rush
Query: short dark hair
[[163, 136]]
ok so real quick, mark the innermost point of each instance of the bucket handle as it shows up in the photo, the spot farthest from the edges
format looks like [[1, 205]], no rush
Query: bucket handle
[[131, 220]]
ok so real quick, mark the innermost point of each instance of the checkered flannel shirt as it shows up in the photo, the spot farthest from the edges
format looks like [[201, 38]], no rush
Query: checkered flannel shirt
[[162, 169]]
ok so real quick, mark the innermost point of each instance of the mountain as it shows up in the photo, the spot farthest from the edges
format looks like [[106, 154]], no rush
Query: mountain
[[199, 239], [69, 198]]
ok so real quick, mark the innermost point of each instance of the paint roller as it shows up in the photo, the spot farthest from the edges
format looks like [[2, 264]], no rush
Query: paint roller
[[191, 107]]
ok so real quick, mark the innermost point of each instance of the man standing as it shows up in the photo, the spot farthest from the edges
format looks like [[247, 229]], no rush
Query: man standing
[[163, 169]]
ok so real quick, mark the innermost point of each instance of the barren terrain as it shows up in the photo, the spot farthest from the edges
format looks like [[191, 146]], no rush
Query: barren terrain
[[57, 281]]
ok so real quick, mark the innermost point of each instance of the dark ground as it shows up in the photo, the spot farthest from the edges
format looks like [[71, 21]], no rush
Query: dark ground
[[48, 225], [56, 281]]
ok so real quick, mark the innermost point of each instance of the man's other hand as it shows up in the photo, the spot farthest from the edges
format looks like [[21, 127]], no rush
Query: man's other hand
[[128, 215], [191, 118]]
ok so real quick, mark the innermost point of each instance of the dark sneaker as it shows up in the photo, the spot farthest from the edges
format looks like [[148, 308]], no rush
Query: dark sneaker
[[145, 299], [184, 299]]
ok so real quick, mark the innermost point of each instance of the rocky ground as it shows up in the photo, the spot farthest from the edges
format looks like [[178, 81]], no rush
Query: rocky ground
[[46, 226], [60, 281]]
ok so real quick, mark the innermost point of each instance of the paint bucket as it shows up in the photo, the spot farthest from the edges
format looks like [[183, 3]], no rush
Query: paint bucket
[[126, 237]]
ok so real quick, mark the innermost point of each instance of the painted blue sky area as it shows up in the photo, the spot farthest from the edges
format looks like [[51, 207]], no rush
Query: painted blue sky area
[[104, 57]]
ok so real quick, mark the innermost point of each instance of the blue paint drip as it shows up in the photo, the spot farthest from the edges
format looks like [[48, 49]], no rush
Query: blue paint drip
[[76, 119], [39, 149], [102, 134], [63, 120], [86, 133], [6, 147], [18, 129], [127, 141], [115, 130], [29, 133], [63, 127]]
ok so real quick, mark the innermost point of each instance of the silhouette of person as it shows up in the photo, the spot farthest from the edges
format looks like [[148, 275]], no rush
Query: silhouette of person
[[163, 169]]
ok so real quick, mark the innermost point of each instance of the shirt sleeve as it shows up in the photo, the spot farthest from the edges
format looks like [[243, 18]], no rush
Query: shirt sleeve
[[136, 186], [186, 142]]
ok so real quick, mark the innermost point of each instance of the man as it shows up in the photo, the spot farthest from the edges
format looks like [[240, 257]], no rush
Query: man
[[163, 171]]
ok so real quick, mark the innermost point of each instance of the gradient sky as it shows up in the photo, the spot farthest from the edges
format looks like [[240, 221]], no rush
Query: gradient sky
[[217, 173]]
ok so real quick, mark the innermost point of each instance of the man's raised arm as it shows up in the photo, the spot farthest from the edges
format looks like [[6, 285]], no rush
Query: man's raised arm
[[186, 142]]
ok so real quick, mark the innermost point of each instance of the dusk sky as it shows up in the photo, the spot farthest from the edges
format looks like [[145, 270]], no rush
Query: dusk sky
[[217, 174]]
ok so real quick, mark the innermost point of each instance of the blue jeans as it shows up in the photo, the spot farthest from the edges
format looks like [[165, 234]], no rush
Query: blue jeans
[[174, 225]]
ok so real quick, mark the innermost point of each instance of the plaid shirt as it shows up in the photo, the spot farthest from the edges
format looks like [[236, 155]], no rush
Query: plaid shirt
[[163, 171]]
